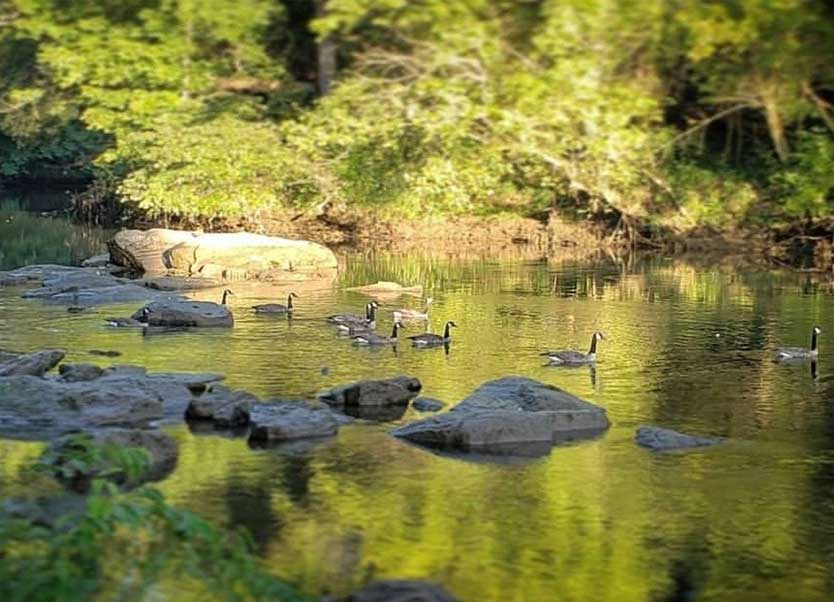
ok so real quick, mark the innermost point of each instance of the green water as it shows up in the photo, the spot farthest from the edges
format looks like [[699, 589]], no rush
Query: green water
[[688, 347]]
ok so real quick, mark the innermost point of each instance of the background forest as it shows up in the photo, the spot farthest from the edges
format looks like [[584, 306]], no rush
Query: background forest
[[681, 114]]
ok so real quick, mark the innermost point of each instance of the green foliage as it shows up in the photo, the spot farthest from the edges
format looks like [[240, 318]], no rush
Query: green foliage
[[714, 109], [126, 545]]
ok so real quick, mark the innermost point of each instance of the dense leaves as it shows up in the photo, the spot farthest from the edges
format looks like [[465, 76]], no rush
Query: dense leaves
[[683, 114]]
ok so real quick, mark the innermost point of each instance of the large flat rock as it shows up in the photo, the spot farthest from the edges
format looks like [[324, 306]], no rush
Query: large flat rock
[[228, 256], [37, 363], [175, 313], [507, 414], [287, 420], [657, 438]]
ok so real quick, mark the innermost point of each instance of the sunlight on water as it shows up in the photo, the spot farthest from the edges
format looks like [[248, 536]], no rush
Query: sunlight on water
[[687, 347]]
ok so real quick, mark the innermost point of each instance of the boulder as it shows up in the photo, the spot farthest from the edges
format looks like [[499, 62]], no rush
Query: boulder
[[177, 314], [161, 448], [73, 373], [396, 391], [507, 413], [34, 364], [225, 407], [427, 404], [96, 261], [395, 590], [660, 439], [288, 420], [231, 256]]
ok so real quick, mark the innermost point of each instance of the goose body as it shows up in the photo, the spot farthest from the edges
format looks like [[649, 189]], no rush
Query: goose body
[[429, 339], [373, 338], [276, 308], [570, 357], [355, 319], [800, 353], [413, 314]]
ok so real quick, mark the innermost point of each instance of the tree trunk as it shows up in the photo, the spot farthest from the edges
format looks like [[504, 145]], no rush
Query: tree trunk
[[776, 128], [325, 56]]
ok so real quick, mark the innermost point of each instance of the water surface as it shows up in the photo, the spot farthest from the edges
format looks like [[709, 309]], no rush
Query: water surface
[[688, 348]]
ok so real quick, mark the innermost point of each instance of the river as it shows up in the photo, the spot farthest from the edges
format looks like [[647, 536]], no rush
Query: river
[[688, 346]]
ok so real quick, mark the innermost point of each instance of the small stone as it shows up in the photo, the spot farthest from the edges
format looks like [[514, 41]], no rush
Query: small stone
[[427, 404]]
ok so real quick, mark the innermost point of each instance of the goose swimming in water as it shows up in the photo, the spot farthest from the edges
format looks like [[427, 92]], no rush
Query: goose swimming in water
[[226, 294], [413, 314], [799, 353], [354, 319], [429, 339], [365, 326], [372, 338], [569, 357], [276, 308], [142, 322]]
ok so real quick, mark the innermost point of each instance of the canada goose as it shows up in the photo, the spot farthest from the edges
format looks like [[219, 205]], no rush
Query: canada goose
[[372, 338], [125, 323], [413, 314], [798, 353], [429, 339], [368, 324], [276, 308], [226, 295], [569, 357], [355, 319]]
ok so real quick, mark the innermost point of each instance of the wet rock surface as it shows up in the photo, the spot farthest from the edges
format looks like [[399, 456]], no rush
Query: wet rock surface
[[396, 391], [427, 404], [161, 448], [37, 363], [400, 591], [79, 372], [656, 438], [506, 415], [287, 420], [224, 407], [185, 314]]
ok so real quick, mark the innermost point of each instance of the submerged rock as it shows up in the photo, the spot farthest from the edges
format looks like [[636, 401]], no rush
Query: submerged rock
[[427, 404], [161, 448], [504, 414], [660, 439], [232, 256], [224, 407], [178, 313], [33, 364], [79, 372], [287, 420], [395, 590], [396, 391]]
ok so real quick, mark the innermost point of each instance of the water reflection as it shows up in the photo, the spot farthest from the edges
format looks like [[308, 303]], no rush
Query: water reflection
[[595, 520]]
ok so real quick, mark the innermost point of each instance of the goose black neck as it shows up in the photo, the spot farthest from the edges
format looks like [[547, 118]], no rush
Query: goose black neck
[[593, 348], [394, 331], [370, 314], [289, 302], [223, 300], [447, 332], [814, 340]]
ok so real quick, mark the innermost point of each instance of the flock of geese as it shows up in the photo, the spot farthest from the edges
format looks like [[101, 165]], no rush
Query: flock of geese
[[362, 331]]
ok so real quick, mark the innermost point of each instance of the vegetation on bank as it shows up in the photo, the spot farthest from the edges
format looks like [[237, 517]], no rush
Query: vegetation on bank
[[126, 545], [683, 114]]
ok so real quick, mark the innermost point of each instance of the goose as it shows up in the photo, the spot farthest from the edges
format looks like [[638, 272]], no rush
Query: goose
[[276, 308], [372, 338], [226, 294], [429, 339], [413, 314], [798, 353], [354, 319], [569, 357], [366, 325]]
